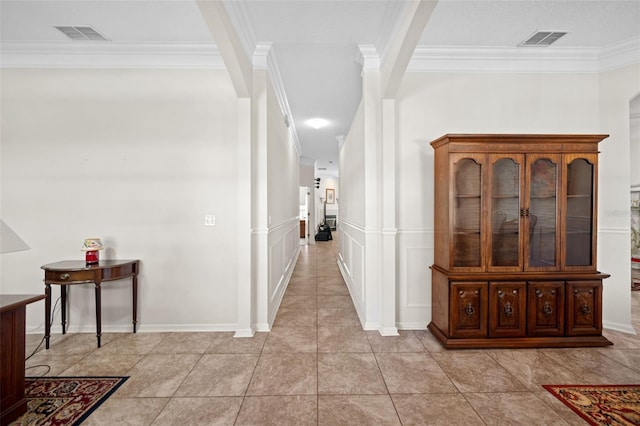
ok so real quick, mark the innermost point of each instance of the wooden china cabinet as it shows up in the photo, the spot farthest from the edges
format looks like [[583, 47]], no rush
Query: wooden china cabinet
[[515, 241]]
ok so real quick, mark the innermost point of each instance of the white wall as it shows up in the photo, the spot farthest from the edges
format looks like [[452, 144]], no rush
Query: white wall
[[635, 140], [351, 231], [306, 180], [432, 104], [136, 157], [331, 182], [617, 89], [283, 183]]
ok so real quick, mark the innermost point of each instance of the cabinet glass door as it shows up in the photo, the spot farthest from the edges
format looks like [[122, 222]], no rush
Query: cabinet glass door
[[580, 221], [467, 210], [542, 243], [505, 204]]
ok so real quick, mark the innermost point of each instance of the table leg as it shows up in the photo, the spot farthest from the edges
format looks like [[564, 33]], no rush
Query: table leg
[[63, 307], [98, 313], [47, 314], [135, 302]]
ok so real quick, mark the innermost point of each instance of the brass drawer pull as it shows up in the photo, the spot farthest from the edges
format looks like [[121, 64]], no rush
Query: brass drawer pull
[[64, 276], [469, 310], [508, 309]]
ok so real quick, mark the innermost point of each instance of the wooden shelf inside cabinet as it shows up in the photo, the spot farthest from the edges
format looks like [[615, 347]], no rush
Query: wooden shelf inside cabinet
[[516, 263]]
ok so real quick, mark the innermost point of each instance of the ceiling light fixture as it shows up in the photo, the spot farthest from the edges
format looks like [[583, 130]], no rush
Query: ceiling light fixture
[[317, 123]]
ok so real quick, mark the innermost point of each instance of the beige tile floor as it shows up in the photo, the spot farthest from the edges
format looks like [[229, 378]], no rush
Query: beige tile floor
[[317, 366]]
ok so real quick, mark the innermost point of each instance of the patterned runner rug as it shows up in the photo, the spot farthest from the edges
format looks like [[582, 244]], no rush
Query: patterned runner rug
[[60, 401], [601, 404]]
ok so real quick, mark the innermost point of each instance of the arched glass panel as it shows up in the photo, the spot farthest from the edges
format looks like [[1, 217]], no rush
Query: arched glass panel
[[505, 213], [467, 211], [542, 217], [579, 226]]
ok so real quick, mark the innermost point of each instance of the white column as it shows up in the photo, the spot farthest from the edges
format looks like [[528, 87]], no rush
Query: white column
[[260, 211], [389, 231], [246, 302]]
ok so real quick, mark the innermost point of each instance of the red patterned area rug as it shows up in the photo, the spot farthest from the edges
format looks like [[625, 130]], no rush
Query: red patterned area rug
[[601, 404], [56, 401]]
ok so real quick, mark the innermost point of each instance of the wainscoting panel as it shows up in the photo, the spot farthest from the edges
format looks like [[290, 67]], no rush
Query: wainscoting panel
[[351, 263], [284, 248], [614, 258], [415, 255]]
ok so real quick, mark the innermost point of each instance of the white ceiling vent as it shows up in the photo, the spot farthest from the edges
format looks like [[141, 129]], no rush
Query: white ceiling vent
[[77, 33], [543, 38]]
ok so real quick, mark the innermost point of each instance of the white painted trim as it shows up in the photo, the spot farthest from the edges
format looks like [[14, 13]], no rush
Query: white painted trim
[[350, 284], [524, 59], [368, 57], [110, 55], [281, 288], [250, 332], [371, 326], [393, 12], [260, 55], [351, 224], [410, 231], [620, 55], [388, 331], [412, 326], [614, 231], [497, 59], [263, 327], [144, 328], [283, 224], [239, 16], [281, 95], [625, 328]]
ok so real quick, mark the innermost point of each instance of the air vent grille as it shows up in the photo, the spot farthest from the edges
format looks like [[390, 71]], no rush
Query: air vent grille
[[543, 38], [79, 33]]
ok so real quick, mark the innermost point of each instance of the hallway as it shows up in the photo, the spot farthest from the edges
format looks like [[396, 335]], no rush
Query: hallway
[[317, 366]]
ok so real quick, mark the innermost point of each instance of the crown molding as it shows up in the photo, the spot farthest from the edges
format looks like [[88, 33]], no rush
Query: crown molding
[[239, 16], [261, 56], [368, 57], [496, 59], [278, 86], [620, 54], [110, 55], [524, 59], [393, 13]]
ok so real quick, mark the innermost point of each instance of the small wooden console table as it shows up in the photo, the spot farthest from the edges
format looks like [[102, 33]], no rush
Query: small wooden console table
[[71, 272], [12, 350]]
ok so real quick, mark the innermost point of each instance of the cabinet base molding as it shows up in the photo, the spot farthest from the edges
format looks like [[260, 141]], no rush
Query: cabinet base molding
[[518, 342]]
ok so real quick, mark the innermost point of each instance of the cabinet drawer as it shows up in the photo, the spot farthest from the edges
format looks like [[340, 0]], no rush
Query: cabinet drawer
[[507, 309], [68, 276], [584, 301], [468, 313], [545, 308]]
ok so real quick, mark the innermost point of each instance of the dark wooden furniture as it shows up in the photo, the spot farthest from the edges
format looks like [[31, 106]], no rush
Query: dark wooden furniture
[[13, 309], [303, 229], [515, 241], [72, 272]]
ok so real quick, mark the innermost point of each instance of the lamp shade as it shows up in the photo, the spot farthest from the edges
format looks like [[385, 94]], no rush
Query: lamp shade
[[92, 244], [9, 240]]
